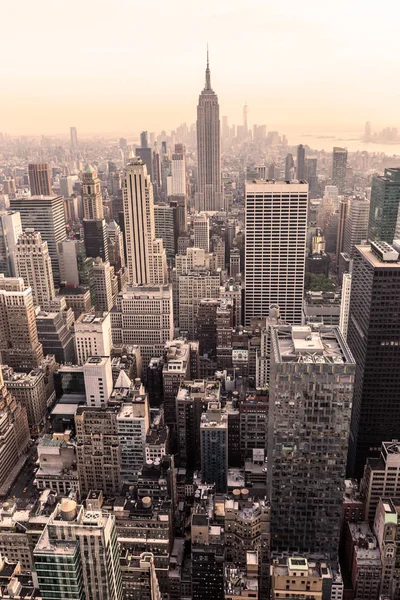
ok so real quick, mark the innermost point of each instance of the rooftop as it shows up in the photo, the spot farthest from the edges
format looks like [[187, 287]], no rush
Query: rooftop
[[307, 345], [385, 258]]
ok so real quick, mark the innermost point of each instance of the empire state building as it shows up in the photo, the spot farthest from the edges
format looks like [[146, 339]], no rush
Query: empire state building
[[209, 195]]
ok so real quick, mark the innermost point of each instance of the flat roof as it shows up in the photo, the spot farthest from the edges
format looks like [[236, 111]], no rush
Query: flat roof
[[374, 260]]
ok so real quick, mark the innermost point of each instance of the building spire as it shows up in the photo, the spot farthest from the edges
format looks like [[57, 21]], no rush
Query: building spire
[[208, 77]]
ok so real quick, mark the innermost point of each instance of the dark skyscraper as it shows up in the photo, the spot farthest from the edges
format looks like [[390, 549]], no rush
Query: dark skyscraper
[[301, 168], [95, 232], [209, 195], [373, 336], [289, 165], [384, 206], [339, 165], [39, 179], [144, 139]]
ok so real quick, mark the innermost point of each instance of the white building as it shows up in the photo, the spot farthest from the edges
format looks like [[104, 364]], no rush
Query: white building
[[143, 315], [133, 422], [275, 251], [178, 170], [10, 230], [102, 276], [99, 383], [92, 336], [146, 260], [201, 230], [345, 304], [33, 264]]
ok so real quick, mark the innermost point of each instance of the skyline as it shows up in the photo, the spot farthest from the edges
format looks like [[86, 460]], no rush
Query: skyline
[[94, 82]]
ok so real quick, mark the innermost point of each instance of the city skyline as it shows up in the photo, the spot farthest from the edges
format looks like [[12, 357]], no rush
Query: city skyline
[[61, 94]]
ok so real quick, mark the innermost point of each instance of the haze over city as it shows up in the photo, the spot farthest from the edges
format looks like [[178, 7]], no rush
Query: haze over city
[[308, 66]]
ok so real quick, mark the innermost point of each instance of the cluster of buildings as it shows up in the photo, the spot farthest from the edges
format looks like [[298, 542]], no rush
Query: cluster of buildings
[[189, 422]]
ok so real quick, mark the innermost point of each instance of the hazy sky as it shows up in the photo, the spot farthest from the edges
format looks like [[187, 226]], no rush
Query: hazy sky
[[127, 65]]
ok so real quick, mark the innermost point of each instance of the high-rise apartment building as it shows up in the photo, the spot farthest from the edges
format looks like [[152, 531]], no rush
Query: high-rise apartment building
[[308, 434], [201, 231], [91, 193], [33, 264], [345, 304], [384, 206], [214, 446], [339, 165], [356, 226], [19, 344], [145, 255], [10, 230], [178, 170], [373, 336], [77, 556], [276, 242], [39, 179], [209, 195], [46, 215], [301, 163], [143, 315], [74, 137], [92, 336]]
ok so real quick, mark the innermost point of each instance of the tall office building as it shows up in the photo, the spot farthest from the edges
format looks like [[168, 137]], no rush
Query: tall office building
[[77, 555], [166, 228], [356, 226], [91, 192], [143, 315], [192, 288], [373, 336], [74, 137], [115, 242], [44, 214], [289, 167], [276, 241], [33, 264], [342, 219], [214, 446], [345, 304], [301, 163], [308, 431], [133, 422], [75, 266], [145, 255], [209, 194], [384, 207], [92, 336], [178, 170], [66, 186], [39, 179], [95, 236], [102, 277], [201, 231], [10, 230], [339, 165], [19, 343]]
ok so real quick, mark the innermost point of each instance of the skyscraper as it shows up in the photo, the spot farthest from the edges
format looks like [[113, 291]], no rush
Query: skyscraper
[[214, 446], [178, 170], [77, 555], [384, 207], [10, 230], [289, 167], [146, 259], [373, 336], [339, 165], [356, 226], [301, 162], [345, 304], [209, 195], [308, 432], [33, 264], [44, 214], [39, 179], [276, 239], [201, 230], [95, 235], [19, 343], [92, 336], [102, 276], [91, 192], [74, 137]]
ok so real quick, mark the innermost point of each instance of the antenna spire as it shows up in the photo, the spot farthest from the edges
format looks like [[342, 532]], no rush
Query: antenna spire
[[208, 76]]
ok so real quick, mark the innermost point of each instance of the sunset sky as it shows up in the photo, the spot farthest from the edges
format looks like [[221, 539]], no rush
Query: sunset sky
[[125, 65]]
